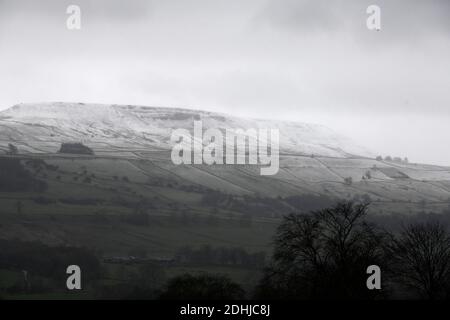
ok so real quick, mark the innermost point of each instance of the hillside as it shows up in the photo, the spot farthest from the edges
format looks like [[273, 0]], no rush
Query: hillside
[[42, 127], [130, 177]]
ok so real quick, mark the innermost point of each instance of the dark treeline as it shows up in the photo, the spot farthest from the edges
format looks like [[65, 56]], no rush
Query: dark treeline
[[75, 148], [15, 178], [202, 287], [44, 260], [40, 261], [397, 222]]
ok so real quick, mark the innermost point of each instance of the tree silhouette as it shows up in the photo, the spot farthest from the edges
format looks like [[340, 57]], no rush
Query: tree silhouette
[[202, 287], [348, 180], [420, 260], [324, 254], [12, 149], [75, 148]]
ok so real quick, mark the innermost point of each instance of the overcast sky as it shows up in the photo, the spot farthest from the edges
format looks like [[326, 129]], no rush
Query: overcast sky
[[304, 60]]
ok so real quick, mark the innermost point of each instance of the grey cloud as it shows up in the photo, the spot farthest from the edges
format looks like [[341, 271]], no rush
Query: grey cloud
[[119, 10], [402, 20]]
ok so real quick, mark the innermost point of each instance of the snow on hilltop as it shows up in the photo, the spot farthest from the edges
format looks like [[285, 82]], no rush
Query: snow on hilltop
[[142, 127]]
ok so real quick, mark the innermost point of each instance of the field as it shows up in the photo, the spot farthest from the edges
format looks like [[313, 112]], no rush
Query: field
[[139, 205]]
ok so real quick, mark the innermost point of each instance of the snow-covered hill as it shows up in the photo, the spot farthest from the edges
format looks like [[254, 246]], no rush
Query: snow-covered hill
[[134, 141], [41, 127]]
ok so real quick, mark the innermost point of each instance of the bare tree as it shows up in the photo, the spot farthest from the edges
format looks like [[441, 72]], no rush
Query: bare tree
[[421, 260], [324, 254]]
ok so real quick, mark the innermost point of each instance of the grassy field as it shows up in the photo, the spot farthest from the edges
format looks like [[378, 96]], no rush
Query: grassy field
[[88, 200]]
